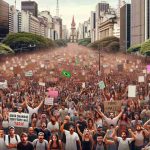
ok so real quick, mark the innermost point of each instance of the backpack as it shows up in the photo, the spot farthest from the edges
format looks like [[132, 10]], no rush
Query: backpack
[[9, 138], [36, 145]]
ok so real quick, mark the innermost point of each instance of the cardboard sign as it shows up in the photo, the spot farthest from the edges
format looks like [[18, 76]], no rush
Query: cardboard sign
[[141, 79], [19, 119], [49, 101], [41, 83], [29, 73], [132, 91], [3, 85], [112, 106], [101, 85], [53, 94]]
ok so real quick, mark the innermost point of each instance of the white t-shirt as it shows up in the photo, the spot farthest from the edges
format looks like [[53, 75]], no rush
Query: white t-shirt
[[2, 144], [71, 140], [40, 146], [124, 144], [12, 141], [71, 111], [32, 110], [51, 127], [112, 121]]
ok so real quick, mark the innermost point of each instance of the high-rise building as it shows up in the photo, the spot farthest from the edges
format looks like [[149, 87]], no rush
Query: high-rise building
[[93, 25], [140, 21], [125, 26], [100, 7], [30, 6], [13, 19], [73, 35], [4, 19]]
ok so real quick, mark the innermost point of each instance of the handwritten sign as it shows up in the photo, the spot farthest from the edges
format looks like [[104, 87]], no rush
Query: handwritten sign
[[132, 91], [141, 79], [3, 85], [41, 83], [101, 85], [19, 119], [49, 101], [29, 73], [112, 106], [53, 94]]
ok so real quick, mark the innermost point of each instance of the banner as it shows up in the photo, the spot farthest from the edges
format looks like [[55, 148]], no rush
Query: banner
[[101, 85], [148, 68], [112, 106], [19, 120], [41, 83], [3, 85], [141, 79], [49, 101], [53, 94], [29, 73], [132, 91]]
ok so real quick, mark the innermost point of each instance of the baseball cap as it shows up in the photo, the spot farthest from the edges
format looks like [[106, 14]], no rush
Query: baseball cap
[[99, 126], [40, 134], [11, 127], [23, 134]]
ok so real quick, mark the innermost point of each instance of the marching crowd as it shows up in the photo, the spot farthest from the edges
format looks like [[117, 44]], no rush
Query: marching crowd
[[77, 120]]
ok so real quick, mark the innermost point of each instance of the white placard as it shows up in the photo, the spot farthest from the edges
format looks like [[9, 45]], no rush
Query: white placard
[[3, 85], [11, 68], [19, 119], [141, 79], [132, 91], [83, 85], [42, 65], [144, 71], [29, 73], [41, 83], [49, 101]]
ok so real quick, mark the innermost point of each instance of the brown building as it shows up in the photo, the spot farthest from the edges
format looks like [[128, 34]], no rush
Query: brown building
[[140, 21], [73, 35], [30, 6], [4, 19], [125, 25]]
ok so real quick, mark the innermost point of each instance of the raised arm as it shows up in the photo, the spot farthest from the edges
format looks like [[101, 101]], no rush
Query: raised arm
[[80, 133], [106, 140], [133, 136], [114, 136], [62, 126]]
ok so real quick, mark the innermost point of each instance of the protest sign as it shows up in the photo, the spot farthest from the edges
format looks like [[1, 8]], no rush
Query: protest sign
[[144, 71], [3, 85], [19, 119], [29, 73], [41, 83], [101, 85], [53, 94], [114, 106], [148, 68], [132, 91], [141, 79], [83, 85], [49, 101]]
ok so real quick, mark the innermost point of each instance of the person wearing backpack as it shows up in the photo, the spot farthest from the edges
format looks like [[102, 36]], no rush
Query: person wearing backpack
[[40, 143], [123, 141], [12, 139]]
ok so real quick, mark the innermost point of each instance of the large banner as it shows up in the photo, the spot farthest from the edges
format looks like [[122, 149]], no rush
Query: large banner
[[114, 106], [19, 120]]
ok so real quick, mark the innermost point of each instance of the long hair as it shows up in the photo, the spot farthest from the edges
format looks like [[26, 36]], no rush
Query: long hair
[[57, 141]]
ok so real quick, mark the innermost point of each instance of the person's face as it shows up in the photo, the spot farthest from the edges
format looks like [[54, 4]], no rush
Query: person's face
[[11, 131], [124, 116], [81, 117], [54, 138], [43, 126], [86, 132], [31, 130], [71, 130], [136, 117], [1, 133], [99, 130], [90, 123], [111, 115], [99, 139], [24, 139], [19, 109], [41, 138], [123, 135], [138, 128]]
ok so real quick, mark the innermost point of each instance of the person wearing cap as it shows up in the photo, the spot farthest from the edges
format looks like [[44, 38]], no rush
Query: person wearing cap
[[40, 143], [12, 139], [24, 144], [72, 138]]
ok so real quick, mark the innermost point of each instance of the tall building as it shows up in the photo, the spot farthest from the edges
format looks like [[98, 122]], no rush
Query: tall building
[[93, 25], [4, 19], [73, 35], [100, 7], [125, 26], [140, 21], [30, 6], [13, 19]]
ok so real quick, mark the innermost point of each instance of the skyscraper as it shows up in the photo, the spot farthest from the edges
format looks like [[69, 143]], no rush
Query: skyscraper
[[4, 19], [73, 35], [125, 23], [31, 6], [140, 21]]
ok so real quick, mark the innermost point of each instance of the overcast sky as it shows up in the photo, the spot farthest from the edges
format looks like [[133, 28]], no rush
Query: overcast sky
[[79, 8]]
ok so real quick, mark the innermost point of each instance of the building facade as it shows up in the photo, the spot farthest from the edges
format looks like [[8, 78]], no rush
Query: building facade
[[13, 19], [93, 26], [73, 35], [125, 26], [4, 19], [30, 6], [64, 32]]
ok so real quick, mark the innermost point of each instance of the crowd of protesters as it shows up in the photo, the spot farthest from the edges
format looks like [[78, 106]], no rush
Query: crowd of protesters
[[77, 120]]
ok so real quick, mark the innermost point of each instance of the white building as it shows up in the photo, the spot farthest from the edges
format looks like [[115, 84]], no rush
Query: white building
[[80, 31], [116, 31], [87, 29], [13, 19]]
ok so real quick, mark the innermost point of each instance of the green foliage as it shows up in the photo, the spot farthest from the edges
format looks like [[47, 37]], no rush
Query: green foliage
[[4, 49], [60, 43], [105, 42], [84, 42], [134, 48], [145, 47], [114, 46], [16, 39]]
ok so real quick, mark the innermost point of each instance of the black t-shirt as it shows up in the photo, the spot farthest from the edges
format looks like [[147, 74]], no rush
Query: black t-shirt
[[32, 137], [28, 146]]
